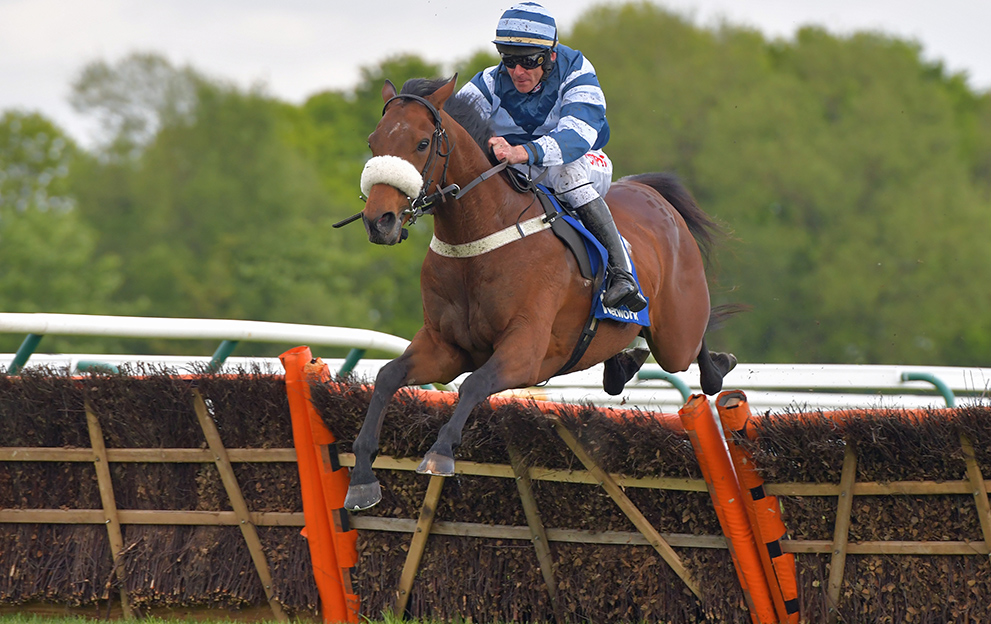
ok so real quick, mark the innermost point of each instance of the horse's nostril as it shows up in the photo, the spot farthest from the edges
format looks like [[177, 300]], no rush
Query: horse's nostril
[[386, 222]]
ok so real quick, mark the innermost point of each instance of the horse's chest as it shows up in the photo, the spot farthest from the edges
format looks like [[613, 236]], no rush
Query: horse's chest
[[473, 325], [473, 319], [474, 304]]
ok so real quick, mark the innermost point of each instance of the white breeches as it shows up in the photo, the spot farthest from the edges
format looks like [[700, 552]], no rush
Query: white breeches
[[579, 181]]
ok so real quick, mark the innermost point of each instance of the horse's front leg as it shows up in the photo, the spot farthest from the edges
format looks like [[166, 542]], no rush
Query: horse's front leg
[[428, 359], [439, 460], [496, 375], [364, 490]]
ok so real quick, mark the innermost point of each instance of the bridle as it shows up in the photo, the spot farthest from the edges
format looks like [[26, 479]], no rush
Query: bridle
[[441, 146]]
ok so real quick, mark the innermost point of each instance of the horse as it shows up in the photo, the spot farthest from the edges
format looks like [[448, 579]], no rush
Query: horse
[[512, 315]]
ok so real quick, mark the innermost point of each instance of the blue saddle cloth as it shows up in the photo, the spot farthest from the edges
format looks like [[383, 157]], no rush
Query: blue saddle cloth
[[599, 257]]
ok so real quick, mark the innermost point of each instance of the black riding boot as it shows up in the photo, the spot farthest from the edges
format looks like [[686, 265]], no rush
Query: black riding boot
[[622, 289]]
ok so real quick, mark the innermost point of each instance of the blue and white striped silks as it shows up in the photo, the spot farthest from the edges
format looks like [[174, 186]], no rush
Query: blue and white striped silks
[[559, 122]]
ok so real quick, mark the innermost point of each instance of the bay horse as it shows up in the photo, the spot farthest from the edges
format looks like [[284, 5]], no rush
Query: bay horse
[[512, 315]]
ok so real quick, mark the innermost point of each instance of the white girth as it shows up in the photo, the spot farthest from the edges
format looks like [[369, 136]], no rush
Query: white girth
[[490, 242]]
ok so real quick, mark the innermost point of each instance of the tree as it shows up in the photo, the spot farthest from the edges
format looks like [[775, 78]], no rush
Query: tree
[[386, 280], [834, 161], [135, 97], [853, 178], [218, 215], [48, 258]]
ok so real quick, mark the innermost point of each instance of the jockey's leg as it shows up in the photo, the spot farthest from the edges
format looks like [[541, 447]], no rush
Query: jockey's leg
[[581, 183], [622, 289]]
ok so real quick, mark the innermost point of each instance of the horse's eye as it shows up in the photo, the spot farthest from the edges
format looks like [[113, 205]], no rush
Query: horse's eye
[[424, 144]]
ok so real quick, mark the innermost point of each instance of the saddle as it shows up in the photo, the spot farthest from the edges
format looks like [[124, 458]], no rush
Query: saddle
[[567, 227], [554, 208]]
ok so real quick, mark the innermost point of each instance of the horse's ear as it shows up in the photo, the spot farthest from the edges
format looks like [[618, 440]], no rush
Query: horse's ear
[[440, 96], [388, 91]]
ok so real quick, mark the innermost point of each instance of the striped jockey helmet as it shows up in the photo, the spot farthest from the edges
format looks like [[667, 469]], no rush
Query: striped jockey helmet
[[526, 25]]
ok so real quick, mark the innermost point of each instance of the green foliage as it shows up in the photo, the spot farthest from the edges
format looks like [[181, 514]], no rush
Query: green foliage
[[385, 280], [134, 98], [467, 68], [221, 215], [48, 257], [852, 176], [849, 172]]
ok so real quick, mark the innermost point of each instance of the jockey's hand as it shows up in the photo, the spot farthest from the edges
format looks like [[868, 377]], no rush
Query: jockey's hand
[[513, 154]]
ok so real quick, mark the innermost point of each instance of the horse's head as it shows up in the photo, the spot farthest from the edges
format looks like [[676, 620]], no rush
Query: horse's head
[[410, 148]]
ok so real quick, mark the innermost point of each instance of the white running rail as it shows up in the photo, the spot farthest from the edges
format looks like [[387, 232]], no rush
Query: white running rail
[[774, 387], [779, 387], [185, 328]]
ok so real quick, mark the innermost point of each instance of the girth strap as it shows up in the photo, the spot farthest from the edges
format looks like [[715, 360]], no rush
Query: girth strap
[[492, 241], [588, 333]]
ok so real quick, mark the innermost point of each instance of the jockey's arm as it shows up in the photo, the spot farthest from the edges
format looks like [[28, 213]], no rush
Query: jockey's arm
[[582, 125]]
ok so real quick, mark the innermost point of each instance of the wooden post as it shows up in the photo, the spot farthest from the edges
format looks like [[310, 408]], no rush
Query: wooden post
[[111, 517], [238, 503], [841, 531], [643, 525], [979, 489], [419, 543], [539, 535]]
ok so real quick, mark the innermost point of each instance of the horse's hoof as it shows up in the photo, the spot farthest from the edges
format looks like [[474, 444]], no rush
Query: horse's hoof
[[437, 465], [724, 362], [363, 496], [621, 368]]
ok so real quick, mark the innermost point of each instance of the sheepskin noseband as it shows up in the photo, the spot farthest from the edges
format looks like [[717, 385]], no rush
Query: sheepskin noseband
[[394, 171]]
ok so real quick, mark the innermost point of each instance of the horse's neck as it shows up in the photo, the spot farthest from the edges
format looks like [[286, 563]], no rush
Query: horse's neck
[[490, 206]]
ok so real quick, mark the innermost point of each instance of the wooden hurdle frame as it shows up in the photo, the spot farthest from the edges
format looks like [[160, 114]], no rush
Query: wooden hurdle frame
[[769, 606], [327, 474]]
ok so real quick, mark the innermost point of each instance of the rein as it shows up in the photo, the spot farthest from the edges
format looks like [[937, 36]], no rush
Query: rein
[[424, 204]]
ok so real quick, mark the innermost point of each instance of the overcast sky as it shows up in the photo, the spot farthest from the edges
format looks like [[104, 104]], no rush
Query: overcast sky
[[300, 47]]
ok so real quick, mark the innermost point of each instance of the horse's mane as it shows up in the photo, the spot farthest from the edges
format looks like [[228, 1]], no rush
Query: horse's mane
[[463, 111]]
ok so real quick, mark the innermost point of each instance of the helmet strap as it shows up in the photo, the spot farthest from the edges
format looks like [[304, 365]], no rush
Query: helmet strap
[[549, 63]]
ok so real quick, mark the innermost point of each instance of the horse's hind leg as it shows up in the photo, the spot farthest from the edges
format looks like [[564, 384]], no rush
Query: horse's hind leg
[[713, 366], [621, 368], [364, 490]]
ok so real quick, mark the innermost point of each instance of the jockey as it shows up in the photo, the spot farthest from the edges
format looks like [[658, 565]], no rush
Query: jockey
[[548, 112]]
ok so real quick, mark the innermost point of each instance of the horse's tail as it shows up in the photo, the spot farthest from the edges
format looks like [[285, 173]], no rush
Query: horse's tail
[[701, 225], [718, 314]]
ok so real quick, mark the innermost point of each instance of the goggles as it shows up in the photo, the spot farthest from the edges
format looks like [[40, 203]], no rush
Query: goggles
[[528, 61]]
